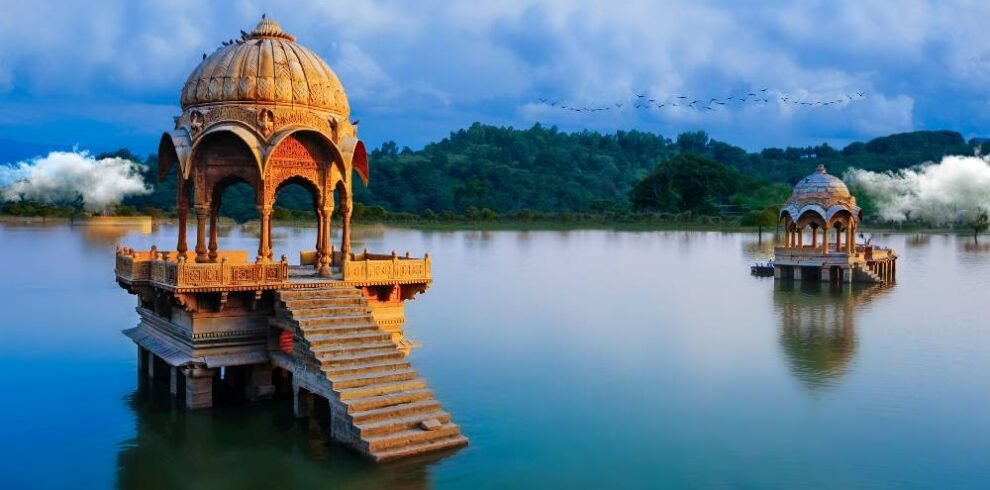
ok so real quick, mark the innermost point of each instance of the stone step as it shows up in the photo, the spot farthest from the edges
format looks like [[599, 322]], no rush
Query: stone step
[[352, 328], [395, 411], [318, 302], [324, 310], [319, 321], [369, 336], [392, 354], [330, 351], [365, 379], [367, 368], [381, 389], [382, 401], [411, 436], [295, 294], [420, 448], [391, 426]]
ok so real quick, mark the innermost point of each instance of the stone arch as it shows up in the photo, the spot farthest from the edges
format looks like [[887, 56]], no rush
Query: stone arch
[[174, 149], [301, 132], [246, 136]]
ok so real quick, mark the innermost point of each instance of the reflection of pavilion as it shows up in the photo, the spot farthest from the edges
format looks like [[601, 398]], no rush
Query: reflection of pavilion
[[818, 327], [821, 219], [245, 448]]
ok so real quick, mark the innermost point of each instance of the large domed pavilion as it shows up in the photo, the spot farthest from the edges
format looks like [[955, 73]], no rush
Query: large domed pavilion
[[820, 221], [327, 332], [267, 111]]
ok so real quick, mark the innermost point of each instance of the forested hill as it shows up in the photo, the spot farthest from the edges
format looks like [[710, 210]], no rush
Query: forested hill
[[502, 171], [544, 169]]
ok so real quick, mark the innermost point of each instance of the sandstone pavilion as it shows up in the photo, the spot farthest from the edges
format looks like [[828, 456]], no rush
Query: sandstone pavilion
[[820, 221], [327, 331]]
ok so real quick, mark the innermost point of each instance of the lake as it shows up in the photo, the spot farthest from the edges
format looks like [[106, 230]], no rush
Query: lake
[[570, 359]]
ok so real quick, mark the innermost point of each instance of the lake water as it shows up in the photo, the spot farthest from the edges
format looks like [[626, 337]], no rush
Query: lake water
[[574, 359]]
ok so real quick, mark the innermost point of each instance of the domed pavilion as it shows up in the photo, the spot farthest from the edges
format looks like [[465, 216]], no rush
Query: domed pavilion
[[327, 331], [820, 221]]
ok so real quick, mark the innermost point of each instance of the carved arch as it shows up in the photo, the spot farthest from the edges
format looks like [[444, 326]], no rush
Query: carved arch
[[248, 137], [174, 148], [335, 155]]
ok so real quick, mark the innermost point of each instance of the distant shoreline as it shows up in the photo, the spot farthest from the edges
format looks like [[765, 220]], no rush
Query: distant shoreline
[[506, 225]]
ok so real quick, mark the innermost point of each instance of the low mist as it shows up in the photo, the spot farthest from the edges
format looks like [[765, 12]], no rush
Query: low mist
[[66, 177], [949, 192]]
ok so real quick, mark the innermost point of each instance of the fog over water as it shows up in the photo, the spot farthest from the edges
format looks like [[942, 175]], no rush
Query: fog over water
[[942, 193], [63, 177]]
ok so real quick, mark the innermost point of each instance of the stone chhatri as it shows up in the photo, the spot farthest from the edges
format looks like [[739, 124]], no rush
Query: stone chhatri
[[328, 332], [819, 204]]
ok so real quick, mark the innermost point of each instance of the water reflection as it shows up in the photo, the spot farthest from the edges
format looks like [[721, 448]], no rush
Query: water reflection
[[244, 446], [818, 328]]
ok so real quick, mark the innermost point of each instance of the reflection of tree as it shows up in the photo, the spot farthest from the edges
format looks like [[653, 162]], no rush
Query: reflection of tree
[[252, 446], [918, 240], [818, 328]]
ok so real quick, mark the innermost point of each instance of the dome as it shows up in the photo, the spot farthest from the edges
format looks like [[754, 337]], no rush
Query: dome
[[265, 66], [822, 189]]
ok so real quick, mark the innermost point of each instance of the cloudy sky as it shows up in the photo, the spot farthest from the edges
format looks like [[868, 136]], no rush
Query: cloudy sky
[[108, 74]]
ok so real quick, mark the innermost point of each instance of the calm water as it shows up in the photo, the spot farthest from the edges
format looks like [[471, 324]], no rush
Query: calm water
[[584, 359]]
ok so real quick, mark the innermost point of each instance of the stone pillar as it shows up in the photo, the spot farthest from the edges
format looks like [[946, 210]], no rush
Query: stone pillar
[[838, 240], [142, 359], [320, 228], [851, 239], [325, 254], [258, 385], [182, 246], [814, 237], [345, 245], [825, 240], [199, 387], [173, 380], [797, 273], [264, 243], [214, 215], [150, 363], [202, 213], [800, 237], [302, 401]]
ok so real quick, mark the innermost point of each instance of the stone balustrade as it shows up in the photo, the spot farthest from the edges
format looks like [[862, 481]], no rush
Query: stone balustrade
[[379, 269], [232, 270]]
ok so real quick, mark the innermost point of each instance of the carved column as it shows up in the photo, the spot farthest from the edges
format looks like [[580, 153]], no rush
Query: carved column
[[825, 240], [345, 230], [814, 237], [202, 214], [183, 208], [325, 256], [800, 237], [264, 243], [214, 214], [838, 240], [319, 238]]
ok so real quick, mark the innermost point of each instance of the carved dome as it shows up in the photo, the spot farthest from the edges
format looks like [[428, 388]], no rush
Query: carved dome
[[266, 66], [823, 194], [820, 188]]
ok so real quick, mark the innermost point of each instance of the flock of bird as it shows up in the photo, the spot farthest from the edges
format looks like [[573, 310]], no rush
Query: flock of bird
[[761, 96]]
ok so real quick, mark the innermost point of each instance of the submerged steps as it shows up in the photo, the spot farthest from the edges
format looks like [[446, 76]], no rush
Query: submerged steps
[[388, 410]]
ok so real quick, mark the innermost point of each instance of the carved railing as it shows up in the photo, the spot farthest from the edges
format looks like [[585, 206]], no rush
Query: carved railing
[[164, 270], [365, 268]]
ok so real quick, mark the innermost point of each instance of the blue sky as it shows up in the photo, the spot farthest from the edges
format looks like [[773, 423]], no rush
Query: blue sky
[[107, 74]]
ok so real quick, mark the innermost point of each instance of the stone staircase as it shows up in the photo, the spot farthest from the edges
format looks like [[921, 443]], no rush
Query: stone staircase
[[864, 274], [379, 404]]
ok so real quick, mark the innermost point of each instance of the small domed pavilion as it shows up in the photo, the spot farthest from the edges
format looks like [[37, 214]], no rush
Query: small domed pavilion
[[820, 221]]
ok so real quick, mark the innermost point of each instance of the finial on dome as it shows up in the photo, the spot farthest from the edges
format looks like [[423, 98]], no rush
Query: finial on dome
[[820, 168], [268, 28]]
